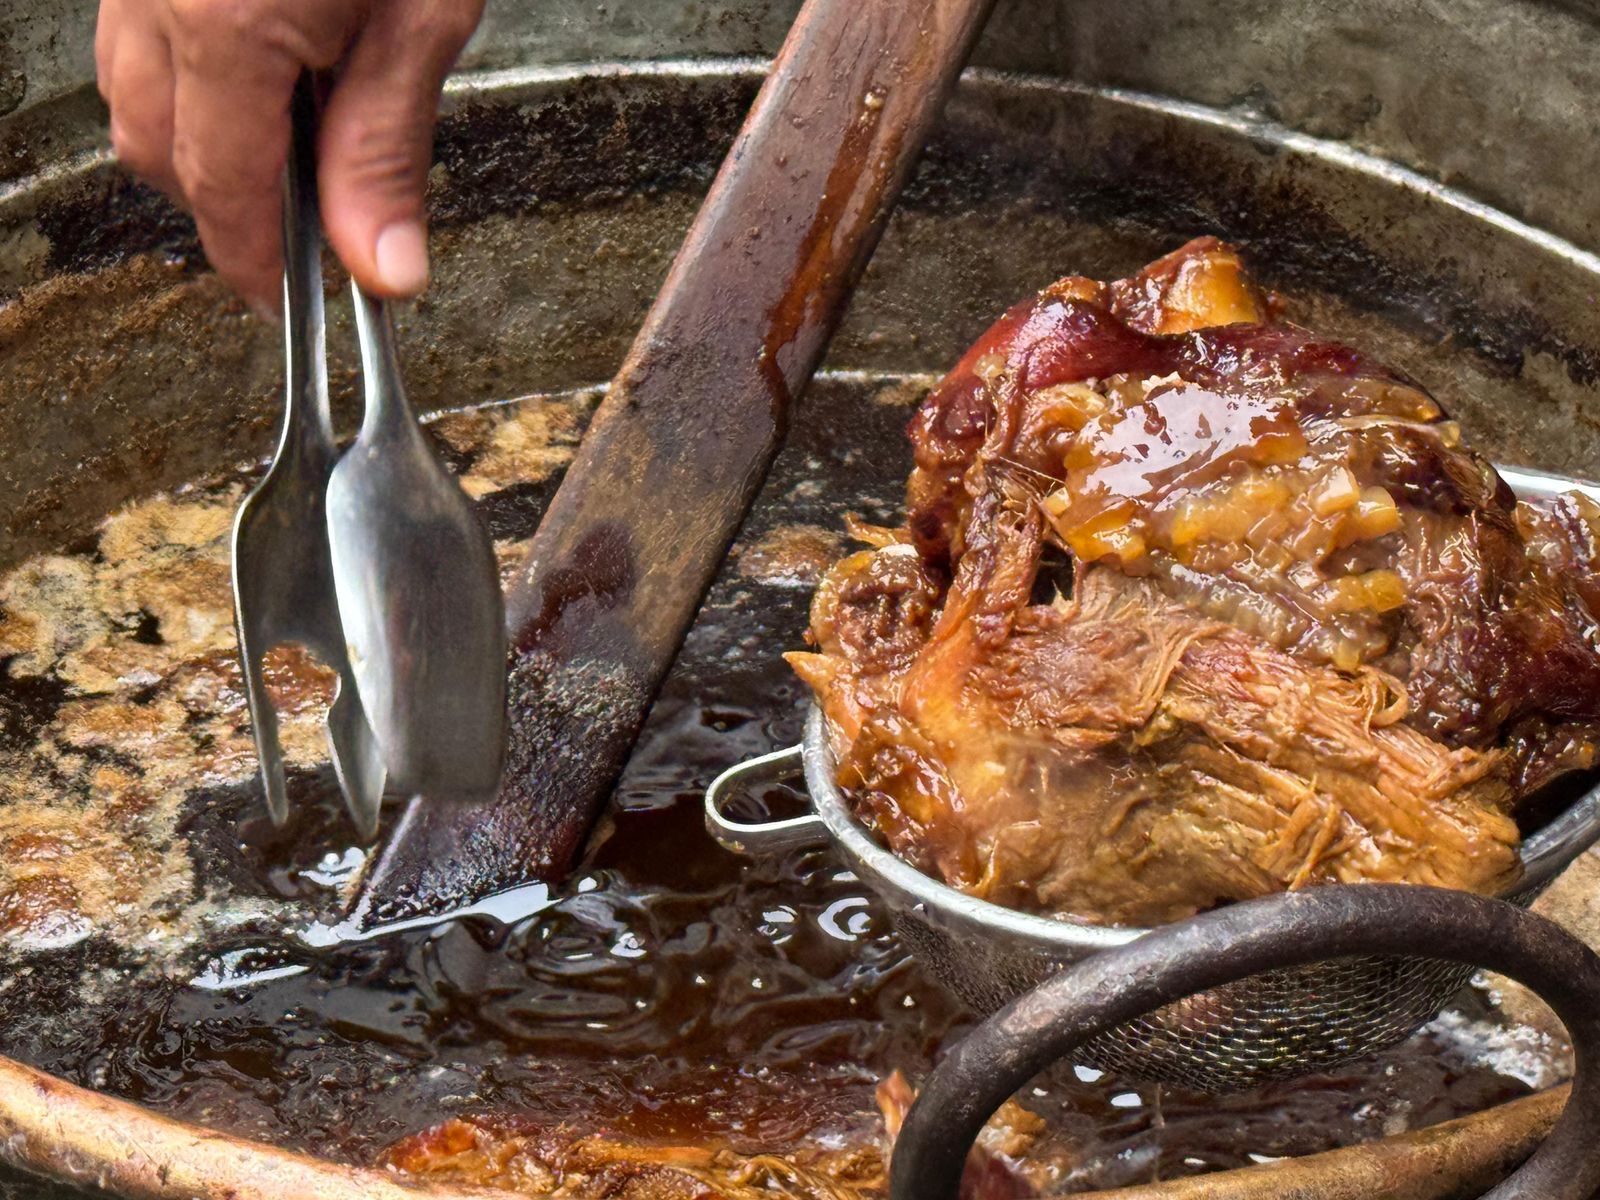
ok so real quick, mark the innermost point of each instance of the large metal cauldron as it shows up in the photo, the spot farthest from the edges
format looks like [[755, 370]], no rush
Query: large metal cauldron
[[1415, 176]]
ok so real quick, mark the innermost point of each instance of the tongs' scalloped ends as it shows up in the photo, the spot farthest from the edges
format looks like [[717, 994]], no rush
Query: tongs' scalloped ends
[[272, 531], [264, 725], [418, 590], [357, 758]]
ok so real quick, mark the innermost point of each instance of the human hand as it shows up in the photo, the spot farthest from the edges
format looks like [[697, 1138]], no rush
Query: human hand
[[199, 92]]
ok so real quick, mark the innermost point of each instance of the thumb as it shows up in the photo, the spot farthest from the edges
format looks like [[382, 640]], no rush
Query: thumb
[[376, 140]]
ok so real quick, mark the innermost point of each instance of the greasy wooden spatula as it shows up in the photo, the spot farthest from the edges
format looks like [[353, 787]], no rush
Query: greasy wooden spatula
[[681, 443]]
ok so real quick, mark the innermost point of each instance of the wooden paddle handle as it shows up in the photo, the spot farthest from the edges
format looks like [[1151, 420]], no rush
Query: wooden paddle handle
[[681, 443]]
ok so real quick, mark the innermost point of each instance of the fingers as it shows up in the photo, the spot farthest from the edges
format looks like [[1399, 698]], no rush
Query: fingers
[[234, 67], [107, 25], [133, 68], [377, 139], [229, 145], [199, 92], [140, 93]]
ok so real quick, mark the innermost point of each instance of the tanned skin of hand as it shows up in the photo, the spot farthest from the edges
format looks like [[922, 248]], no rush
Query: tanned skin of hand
[[199, 94]]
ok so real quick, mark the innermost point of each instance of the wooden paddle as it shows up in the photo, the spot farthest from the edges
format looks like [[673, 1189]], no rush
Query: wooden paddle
[[681, 443]]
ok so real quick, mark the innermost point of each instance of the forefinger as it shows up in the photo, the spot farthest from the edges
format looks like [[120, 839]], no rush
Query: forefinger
[[230, 140], [236, 64], [107, 25], [141, 106]]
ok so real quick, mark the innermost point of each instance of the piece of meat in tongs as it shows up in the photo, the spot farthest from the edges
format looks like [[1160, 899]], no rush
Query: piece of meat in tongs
[[1193, 606]]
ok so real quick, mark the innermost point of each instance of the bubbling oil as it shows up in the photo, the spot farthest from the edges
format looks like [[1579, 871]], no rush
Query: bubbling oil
[[669, 989]]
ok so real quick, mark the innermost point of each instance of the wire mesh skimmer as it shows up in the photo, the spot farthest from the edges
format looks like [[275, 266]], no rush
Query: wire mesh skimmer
[[1274, 1025]]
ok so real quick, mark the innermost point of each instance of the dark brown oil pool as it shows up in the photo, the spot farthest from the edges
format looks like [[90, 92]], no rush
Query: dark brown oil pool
[[671, 989]]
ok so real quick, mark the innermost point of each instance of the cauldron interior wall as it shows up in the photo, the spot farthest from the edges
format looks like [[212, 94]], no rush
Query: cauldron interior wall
[[559, 200], [1491, 95]]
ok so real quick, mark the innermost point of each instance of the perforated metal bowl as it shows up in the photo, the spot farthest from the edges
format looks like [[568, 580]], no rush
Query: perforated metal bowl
[[1271, 1026]]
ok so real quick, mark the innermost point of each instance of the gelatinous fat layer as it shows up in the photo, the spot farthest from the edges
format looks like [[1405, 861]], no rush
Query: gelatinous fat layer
[[1308, 635], [1232, 502]]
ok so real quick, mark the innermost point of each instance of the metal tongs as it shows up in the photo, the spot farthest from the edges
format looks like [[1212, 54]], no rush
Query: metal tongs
[[374, 562]]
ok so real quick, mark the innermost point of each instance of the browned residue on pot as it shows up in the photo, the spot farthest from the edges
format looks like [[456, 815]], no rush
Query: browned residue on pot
[[794, 555], [130, 645]]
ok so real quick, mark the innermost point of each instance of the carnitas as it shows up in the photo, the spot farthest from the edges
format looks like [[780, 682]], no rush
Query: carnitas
[[1193, 606], [563, 1163]]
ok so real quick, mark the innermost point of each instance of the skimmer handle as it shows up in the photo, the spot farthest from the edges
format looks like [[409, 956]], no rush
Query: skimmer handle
[[1229, 944], [761, 837]]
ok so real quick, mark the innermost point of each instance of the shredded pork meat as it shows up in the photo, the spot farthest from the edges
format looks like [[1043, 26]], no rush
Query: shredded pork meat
[[1192, 606]]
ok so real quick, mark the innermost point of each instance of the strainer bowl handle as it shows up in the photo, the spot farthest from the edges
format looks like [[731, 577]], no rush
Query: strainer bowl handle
[[1176, 961], [761, 837]]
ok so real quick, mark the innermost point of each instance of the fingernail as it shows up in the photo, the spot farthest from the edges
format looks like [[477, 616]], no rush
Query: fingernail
[[402, 258], [268, 312]]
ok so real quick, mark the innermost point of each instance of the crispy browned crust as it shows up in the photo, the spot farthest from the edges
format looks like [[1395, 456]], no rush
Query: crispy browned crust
[[1308, 636]]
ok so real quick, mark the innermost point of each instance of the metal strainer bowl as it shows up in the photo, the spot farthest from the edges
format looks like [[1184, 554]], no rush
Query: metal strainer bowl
[[1270, 1026]]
